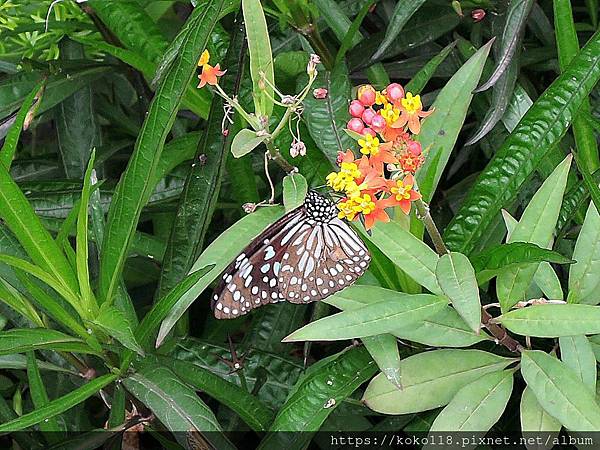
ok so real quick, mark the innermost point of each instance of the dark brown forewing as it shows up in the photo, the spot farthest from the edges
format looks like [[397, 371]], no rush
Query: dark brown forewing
[[328, 259]]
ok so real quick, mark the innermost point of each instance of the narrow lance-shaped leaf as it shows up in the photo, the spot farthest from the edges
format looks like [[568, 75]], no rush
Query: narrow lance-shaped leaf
[[540, 129], [583, 275], [39, 396], [132, 192]]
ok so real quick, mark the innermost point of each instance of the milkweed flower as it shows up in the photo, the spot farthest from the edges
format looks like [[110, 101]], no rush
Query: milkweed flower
[[209, 73], [403, 193], [411, 113]]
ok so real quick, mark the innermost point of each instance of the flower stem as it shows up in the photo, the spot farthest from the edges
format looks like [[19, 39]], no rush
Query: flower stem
[[500, 334], [276, 156]]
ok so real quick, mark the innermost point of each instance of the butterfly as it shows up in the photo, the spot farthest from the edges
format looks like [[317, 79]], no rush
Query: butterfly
[[305, 256]]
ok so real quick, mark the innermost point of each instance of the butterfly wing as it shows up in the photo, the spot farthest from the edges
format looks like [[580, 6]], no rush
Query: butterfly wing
[[324, 261], [251, 279]]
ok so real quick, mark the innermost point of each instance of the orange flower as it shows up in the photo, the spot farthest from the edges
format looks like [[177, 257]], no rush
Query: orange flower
[[384, 156], [411, 113], [403, 193], [410, 162], [375, 213], [209, 75]]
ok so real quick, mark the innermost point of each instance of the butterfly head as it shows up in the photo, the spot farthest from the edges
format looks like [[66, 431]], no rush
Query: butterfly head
[[319, 208]]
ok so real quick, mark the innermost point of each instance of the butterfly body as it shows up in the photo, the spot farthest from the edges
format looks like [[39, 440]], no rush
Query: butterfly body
[[307, 255]]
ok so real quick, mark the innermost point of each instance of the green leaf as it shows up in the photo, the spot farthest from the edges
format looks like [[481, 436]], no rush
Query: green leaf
[[439, 131], [456, 278], [59, 405], [442, 329], [492, 261], [114, 323], [245, 141], [295, 188], [377, 318], [477, 406], [316, 396], [21, 219], [352, 36], [175, 404], [31, 103], [19, 340], [583, 275], [541, 128], [553, 320], [326, 118], [40, 398], [403, 11], [249, 408], [261, 59], [430, 380], [17, 301], [535, 419], [407, 252], [383, 348], [220, 253], [560, 392], [19, 362], [203, 183], [536, 226], [419, 81], [133, 189], [577, 353]]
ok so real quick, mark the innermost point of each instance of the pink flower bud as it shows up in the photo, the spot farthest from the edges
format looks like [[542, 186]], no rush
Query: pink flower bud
[[366, 95], [320, 93], [414, 148], [340, 158], [356, 108], [478, 15], [356, 125], [367, 116], [225, 132], [378, 123], [394, 92], [369, 131]]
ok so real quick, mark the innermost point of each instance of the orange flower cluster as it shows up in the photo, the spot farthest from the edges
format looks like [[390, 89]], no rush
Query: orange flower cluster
[[383, 177], [209, 73]]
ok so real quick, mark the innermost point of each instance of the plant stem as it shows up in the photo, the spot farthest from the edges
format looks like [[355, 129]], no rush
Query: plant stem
[[276, 156], [500, 334]]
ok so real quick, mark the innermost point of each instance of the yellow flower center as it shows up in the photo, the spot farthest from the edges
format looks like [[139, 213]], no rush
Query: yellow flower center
[[412, 104], [380, 99], [369, 145], [390, 114], [204, 57], [344, 179], [401, 191]]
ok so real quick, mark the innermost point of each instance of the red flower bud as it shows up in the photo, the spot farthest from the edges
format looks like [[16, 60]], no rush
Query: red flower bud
[[369, 131], [394, 92], [378, 123], [414, 148], [356, 125], [356, 108], [366, 95], [320, 93], [478, 15], [367, 116]]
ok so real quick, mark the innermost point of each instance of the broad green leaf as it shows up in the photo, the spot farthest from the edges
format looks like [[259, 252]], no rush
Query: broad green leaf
[[248, 407], [536, 226], [383, 348], [560, 392], [114, 323], [326, 118], [535, 419], [553, 320], [133, 188], [440, 130], [577, 353], [39, 396], [261, 59], [477, 406], [316, 396], [492, 261], [294, 191], [203, 183], [443, 329], [456, 278], [401, 15], [542, 127], [19, 340], [175, 404], [407, 252], [59, 405], [245, 141], [31, 103], [380, 317], [430, 380], [584, 274], [220, 253]]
